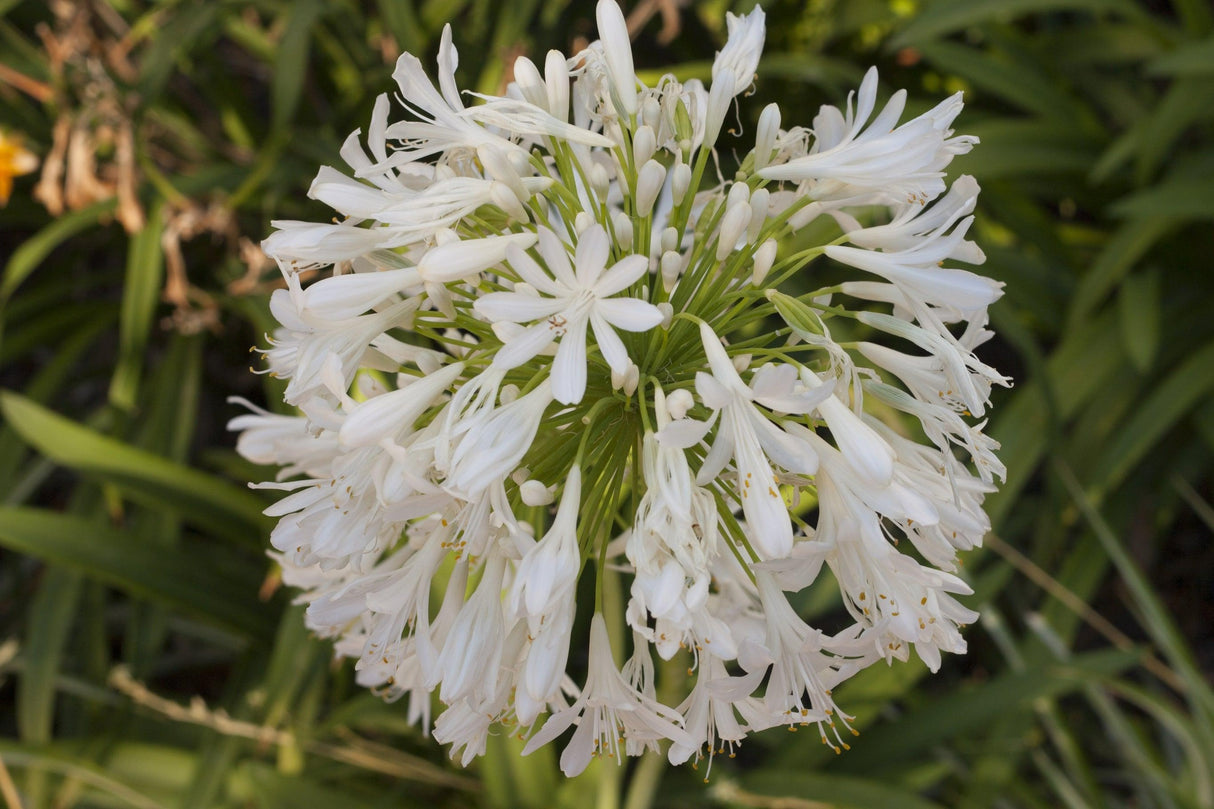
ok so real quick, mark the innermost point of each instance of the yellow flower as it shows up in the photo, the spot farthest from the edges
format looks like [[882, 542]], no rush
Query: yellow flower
[[15, 160]]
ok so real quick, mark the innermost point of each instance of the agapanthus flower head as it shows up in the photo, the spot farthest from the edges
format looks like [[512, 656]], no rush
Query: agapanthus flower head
[[551, 349]]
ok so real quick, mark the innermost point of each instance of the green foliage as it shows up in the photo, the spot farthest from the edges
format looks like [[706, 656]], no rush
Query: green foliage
[[127, 538]]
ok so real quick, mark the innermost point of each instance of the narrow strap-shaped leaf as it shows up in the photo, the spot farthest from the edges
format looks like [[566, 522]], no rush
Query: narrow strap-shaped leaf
[[291, 60], [144, 477], [30, 254], [940, 19], [821, 789], [140, 293], [1184, 388], [210, 583], [972, 708]]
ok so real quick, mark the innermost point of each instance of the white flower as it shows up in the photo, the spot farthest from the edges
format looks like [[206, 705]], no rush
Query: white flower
[[486, 253], [548, 571], [740, 56], [578, 296], [748, 437], [609, 709], [896, 164]]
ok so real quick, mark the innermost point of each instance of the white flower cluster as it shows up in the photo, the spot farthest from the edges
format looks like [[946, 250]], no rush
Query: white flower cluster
[[552, 361]]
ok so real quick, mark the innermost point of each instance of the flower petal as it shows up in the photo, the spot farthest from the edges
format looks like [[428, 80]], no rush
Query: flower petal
[[552, 250], [569, 367], [629, 314], [532, 273], [591, 256], [517, 307], [610, 344], [622, 274], [525, 346]]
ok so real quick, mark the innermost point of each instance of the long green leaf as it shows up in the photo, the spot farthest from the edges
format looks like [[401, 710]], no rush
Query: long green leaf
[[970, 709], [831, 790], [51, 617], [34, 250], [210, 583], [1180, 198], [144, 269], [940, 19], [1171, 400], [291, 59], [144, 477], [1196, 58]]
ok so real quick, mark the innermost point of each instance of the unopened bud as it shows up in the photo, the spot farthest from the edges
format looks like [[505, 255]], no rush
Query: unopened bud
[[627, 381], [556, 77], [719, 98], [738, 192], [765, 135], [651, 111], [535, 493], [498, 166], [649, 185], [530, 83], [672, 267], [600, 181], [733, 227], [679, 402], [765, 256], [667, 314], [503, 197], [760, 202], [680, 181], [644, 144], [683, 129], [670, 239], [803, 320], [583, 221], [622, 225]]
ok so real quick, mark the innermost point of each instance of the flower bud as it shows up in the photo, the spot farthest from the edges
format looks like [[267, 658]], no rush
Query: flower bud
[[667, 314], [583, 221], [644, 144], [651, 111], [670, 239], [535, 493], [760, 202], [617, 50], [733, 227], [738, 192], [600, 181], [672, 267], [503, 197], [719, 98], [765, 256], [679, 402], [556, 77], [680, 181], [622, 224], [530, 83], [628, 380], [765, 135], [649, 185]]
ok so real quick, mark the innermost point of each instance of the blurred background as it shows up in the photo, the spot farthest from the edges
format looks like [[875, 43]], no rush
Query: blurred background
[[148, 657]]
